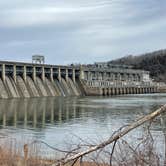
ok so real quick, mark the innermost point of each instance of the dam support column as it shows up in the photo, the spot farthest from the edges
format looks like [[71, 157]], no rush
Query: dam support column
[[134, 91], [59, 74], [109, 91], [66, 76], [124, 90], [3, 73], [116, 91], [25, 74], [14, 73], [73, 75], [143, 90], [51, 75], [128, 90], [34, 74], [121, 91], [81, 73], [140, 90], [113, 91], [43, 74]]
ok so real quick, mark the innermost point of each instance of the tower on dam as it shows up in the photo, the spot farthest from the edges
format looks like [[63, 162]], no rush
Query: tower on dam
[[38, 59], [37, 79]]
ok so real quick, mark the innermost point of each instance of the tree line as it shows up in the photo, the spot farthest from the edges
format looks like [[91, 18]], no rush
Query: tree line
[[155, 62]]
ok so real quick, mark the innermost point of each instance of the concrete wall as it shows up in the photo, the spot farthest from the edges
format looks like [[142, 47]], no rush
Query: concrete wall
[[24, 79]]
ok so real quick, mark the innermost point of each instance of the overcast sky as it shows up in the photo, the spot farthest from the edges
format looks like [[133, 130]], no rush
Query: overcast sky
[[86, 31]]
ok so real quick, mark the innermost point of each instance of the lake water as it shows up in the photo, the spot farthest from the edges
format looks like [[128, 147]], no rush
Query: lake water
[[59, 121]]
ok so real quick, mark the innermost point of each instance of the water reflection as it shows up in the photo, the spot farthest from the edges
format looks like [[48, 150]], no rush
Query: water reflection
[[40, 112], [54, 120], [36, 113], [51, 119]]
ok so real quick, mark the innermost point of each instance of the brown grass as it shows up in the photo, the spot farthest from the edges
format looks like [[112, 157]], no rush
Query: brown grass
[[13, 153]]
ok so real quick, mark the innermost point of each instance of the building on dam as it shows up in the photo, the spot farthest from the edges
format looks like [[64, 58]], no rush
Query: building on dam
[[19, 80]]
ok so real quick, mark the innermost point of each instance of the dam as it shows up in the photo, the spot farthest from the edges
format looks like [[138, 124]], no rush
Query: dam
[[24, 80]]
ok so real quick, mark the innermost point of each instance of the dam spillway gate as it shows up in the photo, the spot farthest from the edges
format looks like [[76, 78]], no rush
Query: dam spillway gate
[[19, 80]]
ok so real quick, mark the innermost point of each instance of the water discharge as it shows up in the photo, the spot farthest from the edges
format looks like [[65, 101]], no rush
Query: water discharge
[[29, 88], [11, 88], [22, 87], [3, 91]]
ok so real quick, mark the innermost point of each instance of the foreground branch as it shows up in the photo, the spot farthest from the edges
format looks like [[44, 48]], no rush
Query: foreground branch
[[115, 137]]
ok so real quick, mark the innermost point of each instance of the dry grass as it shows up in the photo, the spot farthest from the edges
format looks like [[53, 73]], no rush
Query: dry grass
[[13, 153]]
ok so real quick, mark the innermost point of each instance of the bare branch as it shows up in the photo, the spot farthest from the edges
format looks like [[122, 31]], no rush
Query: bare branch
[[115, 137]]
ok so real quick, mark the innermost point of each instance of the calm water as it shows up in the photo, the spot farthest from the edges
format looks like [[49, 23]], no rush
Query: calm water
[[63, 120]]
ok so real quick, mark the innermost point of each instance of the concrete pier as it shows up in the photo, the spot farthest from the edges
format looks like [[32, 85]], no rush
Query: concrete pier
[[34, 74], [43, 74], [3, 73], [14, 73], [51, 74], [73, 75], [59, 74], [24, 73], [66, 75]]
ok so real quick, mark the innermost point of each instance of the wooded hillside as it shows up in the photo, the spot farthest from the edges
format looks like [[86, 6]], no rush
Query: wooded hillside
[[155, 62]]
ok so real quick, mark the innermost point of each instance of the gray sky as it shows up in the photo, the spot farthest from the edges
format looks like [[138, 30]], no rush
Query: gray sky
[[73, 31]]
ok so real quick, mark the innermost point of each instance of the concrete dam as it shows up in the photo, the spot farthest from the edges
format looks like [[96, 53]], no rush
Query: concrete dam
[[23, 80]]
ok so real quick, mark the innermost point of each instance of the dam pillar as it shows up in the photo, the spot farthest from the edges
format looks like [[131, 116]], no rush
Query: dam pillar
[[152, 89], [34, 74], [66, 76], [143, 90], [3, 73], [117, 91], [59, 74], [14, 73], [73, 75], [127, 90], [25, 73], [156, 89], [109, 91], [82, 74], [104, 92], [134, 90], [43, 74], [123, 91], [51, 74], [112, 91], [140, 90]]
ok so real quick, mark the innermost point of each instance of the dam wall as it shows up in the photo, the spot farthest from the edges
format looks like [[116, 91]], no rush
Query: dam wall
[[107, 81], [25, 80]]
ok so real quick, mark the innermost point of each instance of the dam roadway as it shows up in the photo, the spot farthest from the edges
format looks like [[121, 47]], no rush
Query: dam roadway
[[20, 80]]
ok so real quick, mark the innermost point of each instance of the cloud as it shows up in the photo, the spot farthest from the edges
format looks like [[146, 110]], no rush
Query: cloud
[[81, 30]]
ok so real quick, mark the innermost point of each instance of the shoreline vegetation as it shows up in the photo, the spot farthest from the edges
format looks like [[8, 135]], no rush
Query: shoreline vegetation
[[115, 151]]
